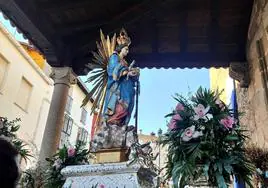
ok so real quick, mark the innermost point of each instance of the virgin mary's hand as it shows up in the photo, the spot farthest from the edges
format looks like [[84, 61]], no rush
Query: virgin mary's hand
[[132, 73]]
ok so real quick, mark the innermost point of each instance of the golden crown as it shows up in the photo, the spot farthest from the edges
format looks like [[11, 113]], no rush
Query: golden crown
[[123, 38]]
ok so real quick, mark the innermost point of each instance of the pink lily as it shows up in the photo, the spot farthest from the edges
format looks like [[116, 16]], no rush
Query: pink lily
[[176, 117], [172, 125], [227, 122], [179, 107], [190, 133]]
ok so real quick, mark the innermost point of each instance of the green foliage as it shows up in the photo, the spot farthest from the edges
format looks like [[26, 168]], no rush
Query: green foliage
[[37, 177], [8, 130], [33, 177], [259, 157], [203, 144], [65, 157]]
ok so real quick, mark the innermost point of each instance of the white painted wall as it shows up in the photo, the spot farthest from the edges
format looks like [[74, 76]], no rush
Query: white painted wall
[[20, 65], [33, 120], [78, 95]]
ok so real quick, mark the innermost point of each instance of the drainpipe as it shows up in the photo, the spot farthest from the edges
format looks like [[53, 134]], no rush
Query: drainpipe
[[236, 183], [234, 102]]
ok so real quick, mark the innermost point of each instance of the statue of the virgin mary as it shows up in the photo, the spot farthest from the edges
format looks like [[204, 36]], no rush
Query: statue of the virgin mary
[[119, 99], [113, 92]]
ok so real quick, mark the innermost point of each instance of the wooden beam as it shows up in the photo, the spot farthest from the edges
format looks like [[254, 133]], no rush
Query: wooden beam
[[182, 64], [72, 28], [180, 60], [31, 23], [183, 32], [87, 41], [52, 6], [185, 60], [196, 57], [154, 36], [244, 21], [214, 25], [69, 29]]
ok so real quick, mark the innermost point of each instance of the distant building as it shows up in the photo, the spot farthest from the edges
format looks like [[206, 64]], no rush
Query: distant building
[[77, 120], [37, 57], [162, 157], [221, 81]]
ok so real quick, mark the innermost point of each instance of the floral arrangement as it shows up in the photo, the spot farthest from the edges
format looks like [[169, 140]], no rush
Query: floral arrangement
[[65, 157], [205, 140], [8, 130]]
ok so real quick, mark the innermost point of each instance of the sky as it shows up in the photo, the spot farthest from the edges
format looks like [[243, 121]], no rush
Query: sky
[[11, 29], [156, 90]]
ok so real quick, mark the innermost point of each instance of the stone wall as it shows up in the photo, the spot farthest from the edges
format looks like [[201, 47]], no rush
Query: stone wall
[[253, 100]]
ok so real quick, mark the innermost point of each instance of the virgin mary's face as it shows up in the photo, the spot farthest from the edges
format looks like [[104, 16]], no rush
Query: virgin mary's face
[[124, 51]]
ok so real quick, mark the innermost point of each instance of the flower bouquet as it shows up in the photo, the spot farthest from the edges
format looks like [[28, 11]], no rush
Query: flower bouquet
[[8, 131], [205, 140], [65, 157]]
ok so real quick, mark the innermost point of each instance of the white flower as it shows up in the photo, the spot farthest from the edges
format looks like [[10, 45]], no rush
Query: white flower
[[197, 134], [208, 117], [190, 133], [202, 128], [57, 164], [202, 113]]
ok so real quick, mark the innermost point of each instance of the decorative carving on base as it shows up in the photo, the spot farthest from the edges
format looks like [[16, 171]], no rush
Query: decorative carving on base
[[109, 175], [240, 72], [98, 169], [109, 181]]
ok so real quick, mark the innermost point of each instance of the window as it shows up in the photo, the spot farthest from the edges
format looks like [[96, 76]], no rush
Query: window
[[69, 104], [82, 135], [64, 140], [24, 94], [263, 68], [3, 71], [66, 131], [83, 116], [68, 125]]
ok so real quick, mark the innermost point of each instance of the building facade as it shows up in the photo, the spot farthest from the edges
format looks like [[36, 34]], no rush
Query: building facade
[[26, 90], [252, 89], [221, 81], [253, 100], [77, 119]]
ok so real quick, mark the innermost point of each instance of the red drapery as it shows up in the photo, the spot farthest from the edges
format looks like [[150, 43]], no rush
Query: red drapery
[[93, 125]]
